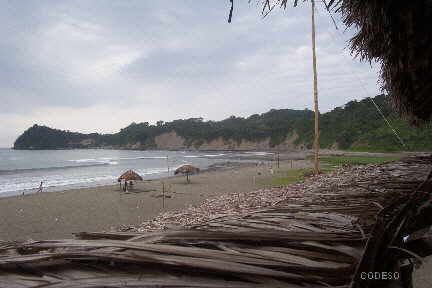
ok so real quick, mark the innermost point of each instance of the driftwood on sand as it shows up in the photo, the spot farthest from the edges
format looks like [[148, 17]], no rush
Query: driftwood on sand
[[318, 233]]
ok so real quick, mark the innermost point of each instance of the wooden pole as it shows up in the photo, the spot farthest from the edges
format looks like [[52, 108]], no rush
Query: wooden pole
[[315, 92], [167, 163], [278, 159], [163, 195]]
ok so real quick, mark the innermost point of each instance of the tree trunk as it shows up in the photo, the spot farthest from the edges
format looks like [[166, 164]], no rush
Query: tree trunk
[[315, 91]]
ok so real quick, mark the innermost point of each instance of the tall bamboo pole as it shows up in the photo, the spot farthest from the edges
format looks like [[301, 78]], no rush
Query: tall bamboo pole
[[315, 91]]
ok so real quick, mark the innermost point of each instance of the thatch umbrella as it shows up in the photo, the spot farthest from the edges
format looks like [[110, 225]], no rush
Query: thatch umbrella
[[397, 35], [129, 175], [186, 170]]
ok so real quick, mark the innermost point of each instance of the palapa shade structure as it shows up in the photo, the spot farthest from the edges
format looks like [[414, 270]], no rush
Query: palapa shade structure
[[186, 170], [396, 34], [130, 175]]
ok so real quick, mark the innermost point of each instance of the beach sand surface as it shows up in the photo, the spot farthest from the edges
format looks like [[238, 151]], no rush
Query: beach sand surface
[[52, 215]]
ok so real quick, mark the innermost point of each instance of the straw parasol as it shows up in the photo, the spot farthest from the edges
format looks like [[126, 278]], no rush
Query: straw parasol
[[130, 175], [186, 170]]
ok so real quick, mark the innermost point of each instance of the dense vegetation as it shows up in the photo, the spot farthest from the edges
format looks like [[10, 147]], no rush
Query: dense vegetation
[[356, 126]]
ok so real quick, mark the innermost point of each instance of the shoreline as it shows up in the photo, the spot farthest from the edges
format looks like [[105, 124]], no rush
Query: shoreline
[[50, 215], [228, 159], [210, 168]]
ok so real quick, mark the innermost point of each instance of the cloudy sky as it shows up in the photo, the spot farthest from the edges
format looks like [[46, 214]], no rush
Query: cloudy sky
[[97, 66]]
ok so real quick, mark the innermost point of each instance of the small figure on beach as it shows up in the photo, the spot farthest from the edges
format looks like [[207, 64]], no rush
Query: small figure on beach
[[40, 187]]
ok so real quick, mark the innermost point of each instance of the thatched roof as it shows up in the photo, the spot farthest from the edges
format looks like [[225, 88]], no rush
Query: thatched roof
[[396, 34], [186, 169], [130, 175]]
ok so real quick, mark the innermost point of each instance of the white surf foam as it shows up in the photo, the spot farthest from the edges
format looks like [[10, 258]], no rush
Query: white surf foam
[[213, 155], [259, 153], [83, 160], [151, 171], [32, 184]]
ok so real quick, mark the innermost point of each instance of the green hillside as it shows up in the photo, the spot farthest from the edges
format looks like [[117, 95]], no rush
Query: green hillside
[[357, 126]]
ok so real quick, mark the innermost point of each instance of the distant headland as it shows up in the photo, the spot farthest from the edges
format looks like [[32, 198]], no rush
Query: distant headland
[[357, 125]]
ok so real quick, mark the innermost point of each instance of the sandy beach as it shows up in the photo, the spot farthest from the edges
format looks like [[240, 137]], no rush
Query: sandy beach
[[59, 214]]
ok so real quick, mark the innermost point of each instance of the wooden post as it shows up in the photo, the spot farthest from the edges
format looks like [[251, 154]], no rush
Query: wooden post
[[167, 163], [163, 195], [315, 93], [278, 159]]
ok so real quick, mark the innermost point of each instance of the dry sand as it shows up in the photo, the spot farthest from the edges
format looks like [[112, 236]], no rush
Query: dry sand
[[59, 214]]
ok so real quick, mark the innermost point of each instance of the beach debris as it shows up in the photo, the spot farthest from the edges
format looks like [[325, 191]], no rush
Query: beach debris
[[186, 170], [374, 182]]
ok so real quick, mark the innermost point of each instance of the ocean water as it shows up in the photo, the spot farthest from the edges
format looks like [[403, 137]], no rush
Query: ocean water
[[21, 171]]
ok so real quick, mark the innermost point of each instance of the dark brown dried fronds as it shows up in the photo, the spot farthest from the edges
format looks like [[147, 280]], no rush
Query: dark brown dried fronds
[[398, 35]]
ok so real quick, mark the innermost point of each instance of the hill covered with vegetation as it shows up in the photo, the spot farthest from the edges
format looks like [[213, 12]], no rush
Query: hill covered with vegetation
[[357, 126]]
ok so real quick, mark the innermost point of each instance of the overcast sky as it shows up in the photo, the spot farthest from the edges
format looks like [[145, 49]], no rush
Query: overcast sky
[[97, 66]]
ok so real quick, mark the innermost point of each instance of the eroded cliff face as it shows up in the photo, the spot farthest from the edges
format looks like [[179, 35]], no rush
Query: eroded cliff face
[[172, 141], [169, 141]]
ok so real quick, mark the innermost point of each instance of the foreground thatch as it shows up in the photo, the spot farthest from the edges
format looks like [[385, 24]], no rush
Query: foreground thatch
[[311, 240], [396, 34]]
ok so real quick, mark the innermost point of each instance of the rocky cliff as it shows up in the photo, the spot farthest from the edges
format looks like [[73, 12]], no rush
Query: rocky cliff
[[172, 141]]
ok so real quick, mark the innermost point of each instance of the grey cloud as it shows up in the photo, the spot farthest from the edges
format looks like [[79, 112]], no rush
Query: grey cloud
[[74, 54]]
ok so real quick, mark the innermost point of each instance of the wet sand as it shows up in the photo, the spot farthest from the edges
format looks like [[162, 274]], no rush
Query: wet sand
[[60, 214]]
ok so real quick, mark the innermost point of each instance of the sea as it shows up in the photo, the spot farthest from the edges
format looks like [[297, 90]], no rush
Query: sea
[[22, 171]]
